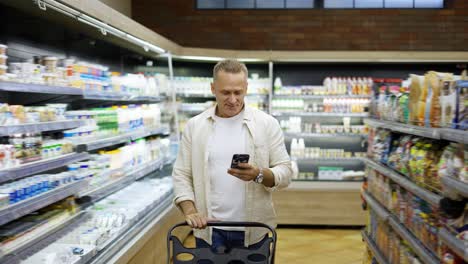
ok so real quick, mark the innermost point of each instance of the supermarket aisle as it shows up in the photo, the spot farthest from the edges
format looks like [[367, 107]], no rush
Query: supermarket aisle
[[331, 246]]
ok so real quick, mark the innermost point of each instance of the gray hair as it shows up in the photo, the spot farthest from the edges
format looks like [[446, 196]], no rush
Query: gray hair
[[230, 66]]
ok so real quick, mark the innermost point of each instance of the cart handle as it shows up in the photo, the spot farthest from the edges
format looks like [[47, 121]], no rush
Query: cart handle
[[229, 224]]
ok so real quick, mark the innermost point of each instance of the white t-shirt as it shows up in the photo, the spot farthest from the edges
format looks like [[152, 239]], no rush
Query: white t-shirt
[[227, 191]]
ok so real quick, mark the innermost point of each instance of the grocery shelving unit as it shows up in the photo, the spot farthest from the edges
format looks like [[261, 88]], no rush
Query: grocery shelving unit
[[427, 132], [374, 248], [19, 209], [425, 254], [403, 181], [119, 139], [39, 166], [39, 127], [44, 238], [150, 225], [315, 114], [453, 188], [311, 192]]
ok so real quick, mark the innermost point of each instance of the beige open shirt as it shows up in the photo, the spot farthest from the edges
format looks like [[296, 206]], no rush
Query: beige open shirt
[[265, 145]]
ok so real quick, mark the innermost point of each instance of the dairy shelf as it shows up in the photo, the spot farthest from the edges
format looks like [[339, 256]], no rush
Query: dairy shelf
[[424, 194], [41, 240], [374, 248], [381, 212], [123, 181], [113, 246], [455, 244], [316, 114], [423, 253], [40, 127], [106, 142], [38, 88], [63, 90], [305, 97], [17, 210], [454, 135], [39, 166]]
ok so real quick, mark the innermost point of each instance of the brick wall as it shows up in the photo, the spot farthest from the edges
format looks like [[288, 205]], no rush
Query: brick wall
[[316, 29]]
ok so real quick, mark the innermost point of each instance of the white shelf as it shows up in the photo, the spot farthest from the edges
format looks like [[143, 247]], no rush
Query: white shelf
[[381, 211], [423, 253], [124, 180], [458, 246], [315, 114], [374, 248], [454, 188], [106, 142], [63, 90], [39, 166], [38, 88], [17, 210], [148, 168], [455, 135], [40, 127], [323, 135], [113, 246], [41, 240], [300, 96], [406, 183]]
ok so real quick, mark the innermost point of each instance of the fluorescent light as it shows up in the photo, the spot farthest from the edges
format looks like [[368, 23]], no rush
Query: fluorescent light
[[250, 60], [200, 58]]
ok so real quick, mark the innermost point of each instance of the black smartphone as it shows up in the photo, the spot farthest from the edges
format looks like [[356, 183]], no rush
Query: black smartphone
[[239, 158]]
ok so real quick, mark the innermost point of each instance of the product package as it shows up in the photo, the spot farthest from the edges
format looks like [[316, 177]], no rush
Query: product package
[[461, 120]]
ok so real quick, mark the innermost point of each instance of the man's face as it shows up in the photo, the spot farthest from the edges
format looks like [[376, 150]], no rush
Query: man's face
[[229, 89]]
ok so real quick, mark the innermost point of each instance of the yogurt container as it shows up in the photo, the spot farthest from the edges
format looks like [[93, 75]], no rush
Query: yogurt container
[[3, 49], [3, 59], [50, 64], [3, 70]]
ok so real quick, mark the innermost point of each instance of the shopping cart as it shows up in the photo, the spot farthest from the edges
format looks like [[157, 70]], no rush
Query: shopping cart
[[266, 251]]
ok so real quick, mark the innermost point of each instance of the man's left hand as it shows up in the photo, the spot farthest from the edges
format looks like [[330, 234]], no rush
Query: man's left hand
[[245, 172]]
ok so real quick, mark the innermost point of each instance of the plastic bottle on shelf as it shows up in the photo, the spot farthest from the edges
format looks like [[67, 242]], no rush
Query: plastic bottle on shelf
[[294, 146], [301, 147]]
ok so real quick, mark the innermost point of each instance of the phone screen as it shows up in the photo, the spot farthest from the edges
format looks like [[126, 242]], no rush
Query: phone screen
[[239, 158]]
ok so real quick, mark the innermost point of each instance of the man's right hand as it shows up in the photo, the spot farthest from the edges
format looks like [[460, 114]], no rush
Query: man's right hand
[[196, 220]]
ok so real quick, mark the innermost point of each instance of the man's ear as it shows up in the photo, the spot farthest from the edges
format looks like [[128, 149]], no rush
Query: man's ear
[[213, 88]]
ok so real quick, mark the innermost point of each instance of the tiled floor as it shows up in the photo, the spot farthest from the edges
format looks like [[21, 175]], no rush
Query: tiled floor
[[321, 246]]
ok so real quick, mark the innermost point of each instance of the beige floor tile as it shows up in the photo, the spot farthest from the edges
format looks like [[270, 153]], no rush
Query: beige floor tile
[[316, 246]]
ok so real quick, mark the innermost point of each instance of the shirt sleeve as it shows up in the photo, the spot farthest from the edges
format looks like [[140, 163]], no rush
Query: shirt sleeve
[[182, 172], [280, 162]]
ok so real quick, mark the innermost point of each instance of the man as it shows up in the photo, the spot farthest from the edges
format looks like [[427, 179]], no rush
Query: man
[[205, 185]]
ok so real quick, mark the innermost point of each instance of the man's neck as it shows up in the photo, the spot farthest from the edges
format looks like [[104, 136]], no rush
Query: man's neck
[[223, 116]]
